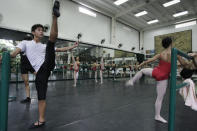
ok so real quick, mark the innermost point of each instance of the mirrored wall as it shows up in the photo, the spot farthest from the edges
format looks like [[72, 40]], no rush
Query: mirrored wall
[[117, 64]]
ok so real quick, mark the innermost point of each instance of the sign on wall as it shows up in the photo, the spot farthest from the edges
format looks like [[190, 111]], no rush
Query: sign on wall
[[120, 54], [181, 40]]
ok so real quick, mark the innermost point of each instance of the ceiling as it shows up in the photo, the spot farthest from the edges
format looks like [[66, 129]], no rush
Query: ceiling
[[125, 12]]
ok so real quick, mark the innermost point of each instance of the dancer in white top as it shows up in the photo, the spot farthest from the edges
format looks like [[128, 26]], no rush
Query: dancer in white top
[[42, 58]]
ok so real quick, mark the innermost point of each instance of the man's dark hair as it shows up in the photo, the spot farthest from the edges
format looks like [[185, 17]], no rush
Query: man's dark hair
[[34, 27], [166, 42]]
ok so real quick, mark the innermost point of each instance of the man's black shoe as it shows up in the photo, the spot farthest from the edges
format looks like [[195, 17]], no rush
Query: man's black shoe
[[27, 100], [56, 8]]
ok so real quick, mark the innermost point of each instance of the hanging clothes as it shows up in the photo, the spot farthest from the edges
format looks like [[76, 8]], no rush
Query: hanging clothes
[[189, 95]]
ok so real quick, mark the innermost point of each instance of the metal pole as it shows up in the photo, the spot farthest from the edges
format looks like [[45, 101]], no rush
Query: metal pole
[[63, 71], [172, 90], [17, 77], [4, 90]]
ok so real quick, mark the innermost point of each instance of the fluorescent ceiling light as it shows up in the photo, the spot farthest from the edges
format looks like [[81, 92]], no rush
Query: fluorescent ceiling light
[[180, 14], [185, 24], [186, 20], [141, 13], [171, 3], [86, 11], [153, 21], [119, 2], [89, 7]]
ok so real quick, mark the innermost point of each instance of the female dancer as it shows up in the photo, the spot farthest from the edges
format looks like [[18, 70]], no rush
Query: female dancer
[[94, 68], [160, 73], [71, 70], [101, 70], [114, 70], [76, 69], [130, 71], [124, 69]]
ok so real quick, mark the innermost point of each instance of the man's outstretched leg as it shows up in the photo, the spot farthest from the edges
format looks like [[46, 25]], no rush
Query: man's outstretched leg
[[44, 71], [54, 30], [50, 56]]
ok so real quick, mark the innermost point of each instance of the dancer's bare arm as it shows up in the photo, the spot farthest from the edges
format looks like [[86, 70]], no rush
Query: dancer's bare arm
[[149, 61], [63, 49]]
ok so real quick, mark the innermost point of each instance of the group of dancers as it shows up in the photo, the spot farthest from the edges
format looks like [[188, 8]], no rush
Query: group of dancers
[[75, 67], [96, 68], [41, 59], [100, 68]]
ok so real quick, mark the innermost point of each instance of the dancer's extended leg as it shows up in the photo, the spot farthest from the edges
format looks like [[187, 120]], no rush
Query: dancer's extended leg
[[145, 71], [95, 76], [101, 76]]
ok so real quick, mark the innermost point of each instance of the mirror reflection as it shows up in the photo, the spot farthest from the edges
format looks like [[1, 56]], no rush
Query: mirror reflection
[[87, 61]]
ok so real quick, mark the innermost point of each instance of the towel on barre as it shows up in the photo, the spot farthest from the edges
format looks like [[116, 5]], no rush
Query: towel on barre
[[189, 95]]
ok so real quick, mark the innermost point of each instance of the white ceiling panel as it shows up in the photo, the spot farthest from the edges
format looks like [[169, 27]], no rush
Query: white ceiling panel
[[125, 12]]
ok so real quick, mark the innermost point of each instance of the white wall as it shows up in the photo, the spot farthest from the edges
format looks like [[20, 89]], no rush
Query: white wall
[[109, 51], [72, 22], [149, 35], [22, 14], [129, 37]]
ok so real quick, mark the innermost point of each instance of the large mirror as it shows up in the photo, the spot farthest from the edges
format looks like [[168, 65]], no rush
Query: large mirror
[[117, 64]]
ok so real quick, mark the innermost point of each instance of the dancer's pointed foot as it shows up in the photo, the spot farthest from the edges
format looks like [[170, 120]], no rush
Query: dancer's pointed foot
[[161, 119], [194, 107]]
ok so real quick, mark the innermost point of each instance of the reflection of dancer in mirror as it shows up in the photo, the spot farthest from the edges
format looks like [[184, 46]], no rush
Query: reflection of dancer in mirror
[[124, 69], [90, 69], [76, 69], [94, 68], [107, 67], [101, 70], [160, 73], [114, 70], [71, 70], [130, 71]]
